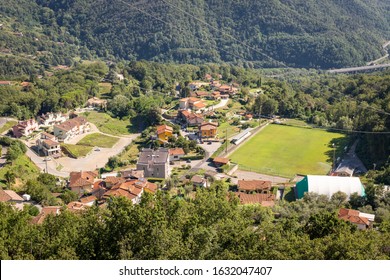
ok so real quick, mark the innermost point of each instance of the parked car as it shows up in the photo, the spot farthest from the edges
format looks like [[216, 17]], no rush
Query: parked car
[[188, 161], [97, 150]]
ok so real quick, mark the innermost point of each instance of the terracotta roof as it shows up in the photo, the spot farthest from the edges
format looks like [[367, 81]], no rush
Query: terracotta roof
[[221, 160], [151, 187], [49, 210], [197, 179], [256, 198], [5, 82], [185, 113], [114, 180], [353, 216], [99, 185], [216, 93], [25, 84], [253, 185], [50, 142], [202, 93], [82, 178], [199, 105], [176, 152], [88, 199], [193, 99], [163, 128], [48, 135], [207, 127], [132, 173], [72, 123], [75, 206], [7, 195]]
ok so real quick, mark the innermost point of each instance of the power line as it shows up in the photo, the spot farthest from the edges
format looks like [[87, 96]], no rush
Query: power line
[[226, 34]]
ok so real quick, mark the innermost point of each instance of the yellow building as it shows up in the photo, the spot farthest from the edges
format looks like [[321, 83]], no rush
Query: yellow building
[[208, 130], [163, 133]]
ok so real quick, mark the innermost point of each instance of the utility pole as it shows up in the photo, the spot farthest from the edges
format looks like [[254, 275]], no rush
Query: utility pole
[[334, 156], [46, 164], [226, 141]]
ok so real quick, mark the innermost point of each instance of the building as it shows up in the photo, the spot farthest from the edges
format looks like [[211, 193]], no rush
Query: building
[[216, 95], [48, 146], [263, 199], [97, 103], [5, 83], [155, 164], [50, 119], [67, 130], [328, 185], [198, 181], [113, 180], [190, 119], [176, 154], [258, 186], [164, 132], [46, 211], [361, 220], [25, 128], [228, 89], [208, 130], [132, 174], [10, 196], [191, 103], [82, 182], [129, 189], [221, 161]]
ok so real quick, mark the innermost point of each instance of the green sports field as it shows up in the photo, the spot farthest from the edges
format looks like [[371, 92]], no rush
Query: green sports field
[[286, 151]]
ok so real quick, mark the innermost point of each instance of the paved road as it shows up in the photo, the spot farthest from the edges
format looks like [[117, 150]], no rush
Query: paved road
[[361, 68], [221, 104], [41, 164], [352, 161]]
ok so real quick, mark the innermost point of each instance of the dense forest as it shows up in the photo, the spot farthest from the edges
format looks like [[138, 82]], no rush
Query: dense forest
[[212, 225], [316, 34]]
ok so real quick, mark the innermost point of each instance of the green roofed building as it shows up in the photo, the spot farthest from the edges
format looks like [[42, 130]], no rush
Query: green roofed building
[[328, 185]]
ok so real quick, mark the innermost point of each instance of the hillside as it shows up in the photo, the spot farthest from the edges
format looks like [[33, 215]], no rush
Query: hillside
[[321, 34]]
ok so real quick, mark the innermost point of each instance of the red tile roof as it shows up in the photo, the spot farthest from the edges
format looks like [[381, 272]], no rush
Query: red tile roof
[[49, 210], [221, 160], [164, 128], [82, 178], [72, 123], [114, 180], [254, 185], [88, 199], [353, 217], [176, 152]]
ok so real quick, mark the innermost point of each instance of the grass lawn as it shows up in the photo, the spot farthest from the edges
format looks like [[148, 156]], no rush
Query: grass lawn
[[286, 151], [77, 150], [231, 130], [104, 88], [22, 167], [109, 125], [98, 140], [7, 126]]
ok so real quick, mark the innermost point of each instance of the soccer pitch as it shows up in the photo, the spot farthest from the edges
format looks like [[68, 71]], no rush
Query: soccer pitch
[[285, 151]]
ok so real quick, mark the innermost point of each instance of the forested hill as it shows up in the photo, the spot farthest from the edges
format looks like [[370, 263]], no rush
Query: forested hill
[[301, 33]]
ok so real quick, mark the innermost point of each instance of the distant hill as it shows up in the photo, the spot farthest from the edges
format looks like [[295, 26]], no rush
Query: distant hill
[[300, 33]]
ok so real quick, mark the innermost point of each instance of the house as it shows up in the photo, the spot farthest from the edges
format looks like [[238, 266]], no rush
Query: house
[[328, 185], [215, 84], [216, 95], [25, 84], [98, 189], [258, 186], [208, 130], [45, 212], [266, 200], [10, 196], [228, 89], [207, 77], [221, 161], [201, 94], [361, 220], [25, 128], [189, 118], [82, 182], [97, 103], [128, 189], [71, 128], [49, 147], [192, 103], [176, 154], [50, 119], [248, 117], [198, 181], [75, 206], [343, 171], [196, 85], [132, 174], [164, 132], [155, 164], [88, 200], [113, 180]]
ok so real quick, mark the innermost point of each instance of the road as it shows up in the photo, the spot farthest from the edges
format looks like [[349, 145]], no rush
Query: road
[[359, 69], [221, 104]]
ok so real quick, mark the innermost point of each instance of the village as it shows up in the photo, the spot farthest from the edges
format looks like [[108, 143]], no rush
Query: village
[[190, 149]]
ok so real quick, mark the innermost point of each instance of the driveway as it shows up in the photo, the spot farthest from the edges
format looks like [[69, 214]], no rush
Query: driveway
[[221, 104]]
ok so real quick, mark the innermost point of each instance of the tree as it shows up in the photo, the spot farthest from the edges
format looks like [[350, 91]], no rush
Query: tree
[[9, 177], [68, 196], [339, 198]]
